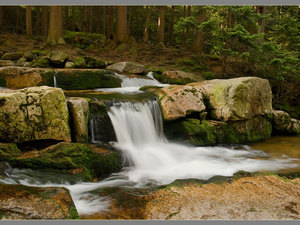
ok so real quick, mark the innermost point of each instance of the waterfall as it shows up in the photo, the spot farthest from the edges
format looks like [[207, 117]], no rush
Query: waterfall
[[54, 81], [92, 130], [133, 84]]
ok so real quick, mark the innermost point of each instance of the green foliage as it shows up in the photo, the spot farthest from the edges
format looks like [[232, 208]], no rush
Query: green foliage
[[209, 75], [84, 40]]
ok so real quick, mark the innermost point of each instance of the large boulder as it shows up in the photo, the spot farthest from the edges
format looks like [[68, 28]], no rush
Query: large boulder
[[36, 113], [178, 101], [238, 98], [177, 77], [21, 77], [58, 57], [6, 63], [128, 67], [284, 124], [23, 202], [14, 56], [79, 112]]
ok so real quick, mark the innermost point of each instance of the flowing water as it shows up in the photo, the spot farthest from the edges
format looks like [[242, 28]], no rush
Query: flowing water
[[151, 160], [54, 81], [133, 84]]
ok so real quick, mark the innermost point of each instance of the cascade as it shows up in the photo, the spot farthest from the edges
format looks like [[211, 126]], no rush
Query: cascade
[[54, 81]]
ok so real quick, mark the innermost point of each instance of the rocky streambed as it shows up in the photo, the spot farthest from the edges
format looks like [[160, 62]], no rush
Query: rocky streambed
[[131, 155]]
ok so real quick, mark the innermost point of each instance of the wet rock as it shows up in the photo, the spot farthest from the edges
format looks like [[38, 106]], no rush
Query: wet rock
[[8, 150], [36, 113], [178, 77], [86, 161], [238, 98], [14, 56], [21, 77], [211, 132], [255, 198], [284, 124], [95, 63], [58, 57], [21, 61], [23, 202], [79, 112], [179, 101], [28, 55], [70, 65], [6, 63], [128, 67]]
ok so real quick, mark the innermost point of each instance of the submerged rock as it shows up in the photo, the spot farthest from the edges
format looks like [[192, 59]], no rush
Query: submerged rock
[[178, 101], [238, 98], [86, 161], [23, 202], [128, 67], [284, 124], [79, 112], [36, 113]]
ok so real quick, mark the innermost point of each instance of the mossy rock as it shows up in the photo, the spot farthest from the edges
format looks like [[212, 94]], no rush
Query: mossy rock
[[86, 79], [209, 132], [89, 162], [80, 62], [8, 150], [2, 80], [40, 63]]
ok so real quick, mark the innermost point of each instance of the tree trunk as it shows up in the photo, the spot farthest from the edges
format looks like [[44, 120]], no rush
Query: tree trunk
[[28, 21], [44, 20], [1, 18], [161, 24], [73, 18], [110, 23], [84, 19], [91, 19], [17, 19], [121, 23], [184, 11], [171, 27], [229, 25], [197, 45], [104, 20], [38, 20], [55, 31], [146, 30], [189, 10], [66, 17], [128, 22], [263, 11]]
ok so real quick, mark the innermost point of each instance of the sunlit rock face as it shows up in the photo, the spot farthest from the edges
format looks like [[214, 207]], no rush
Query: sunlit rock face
[[284, 124], [36, 113], [237, 99], [128, 67]]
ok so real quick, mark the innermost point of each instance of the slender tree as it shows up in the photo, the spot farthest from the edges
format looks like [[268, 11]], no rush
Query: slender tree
[[197, 45], [44, 20], [73, 18], [121, 23], [110, 22], [147, 23], [161, 24], [28, 21], [84, 24], [55, 31], [38, 20], [90, 19], [1, 18]]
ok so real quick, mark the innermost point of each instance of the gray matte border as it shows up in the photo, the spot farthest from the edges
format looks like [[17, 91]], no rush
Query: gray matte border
[[149, 2]]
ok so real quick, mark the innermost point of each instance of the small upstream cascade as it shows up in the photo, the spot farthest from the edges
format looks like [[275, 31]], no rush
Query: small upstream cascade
[[54, 81], [133, 84], [152, 160]]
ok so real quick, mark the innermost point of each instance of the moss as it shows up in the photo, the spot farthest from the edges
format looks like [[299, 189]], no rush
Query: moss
[[165, 79], [8, 150], [94, 63], [40, 63], [2, 80], [88, 79], [209, 75], [73, 214], [47, 78], [72, 156], [83, 40], [80, 62]]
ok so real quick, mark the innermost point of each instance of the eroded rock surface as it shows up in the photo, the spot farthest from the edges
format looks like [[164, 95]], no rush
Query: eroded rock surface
[[128, 67]]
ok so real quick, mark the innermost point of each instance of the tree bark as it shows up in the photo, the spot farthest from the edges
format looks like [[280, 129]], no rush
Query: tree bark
[[189, 10], [1, 18], [229, 25], [55, 31], [121, 23], [91, 19], [171, 27], [28, 21], [44, 20], [197, 45], [104, 20], [128, 22], [110, 23], [263, 11], [66, 17], [84, 19], [161, 24], [73, 18], [146, 30], [38, 20]]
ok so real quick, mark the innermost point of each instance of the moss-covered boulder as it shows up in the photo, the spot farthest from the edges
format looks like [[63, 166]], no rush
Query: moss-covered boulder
[[70, 65], [6, 63], [284, 124], [79, 79], [238, 98], [128, 67], [80, 62], [14, 56], [85, 160], [58, 57], [23, 202], [79, 114], [35, 113], [40, 62], [8, 150], [177, 77], [21, 77], [178, 101], [210, 132]]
